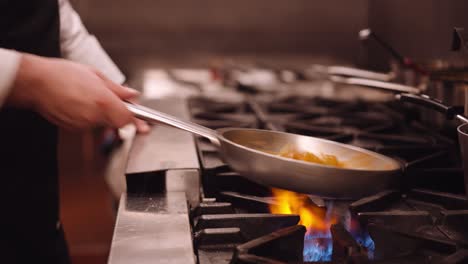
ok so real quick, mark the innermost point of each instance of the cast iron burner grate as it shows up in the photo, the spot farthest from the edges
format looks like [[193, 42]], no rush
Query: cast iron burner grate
[[409, 225], [419, 226]]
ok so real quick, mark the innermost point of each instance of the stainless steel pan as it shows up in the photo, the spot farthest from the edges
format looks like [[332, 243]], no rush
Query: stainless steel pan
[[251, 152]]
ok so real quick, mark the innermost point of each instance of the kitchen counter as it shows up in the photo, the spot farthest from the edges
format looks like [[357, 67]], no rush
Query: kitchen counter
[[153, 225], [152, 228]]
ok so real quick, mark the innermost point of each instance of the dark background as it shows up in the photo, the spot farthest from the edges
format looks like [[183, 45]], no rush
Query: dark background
[[421, 29]]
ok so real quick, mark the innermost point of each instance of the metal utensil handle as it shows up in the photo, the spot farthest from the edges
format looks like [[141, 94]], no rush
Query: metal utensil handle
[[359, 73], [405, 61], [154, 116], [428, 102], [450, 112], [408, 94], [321, 71], [395, 87]]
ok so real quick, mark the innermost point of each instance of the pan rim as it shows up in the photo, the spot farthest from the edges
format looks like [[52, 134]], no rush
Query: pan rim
[[459, 129], [397, 165]]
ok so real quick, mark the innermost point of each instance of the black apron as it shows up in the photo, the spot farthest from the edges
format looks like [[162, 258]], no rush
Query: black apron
[[30, 231]]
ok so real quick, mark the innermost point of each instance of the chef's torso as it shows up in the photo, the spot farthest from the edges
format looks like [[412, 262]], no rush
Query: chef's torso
[[28, 145]]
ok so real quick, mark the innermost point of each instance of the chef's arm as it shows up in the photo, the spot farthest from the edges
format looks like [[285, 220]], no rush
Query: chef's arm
[[9, 63], [69, 94], [78, 45]]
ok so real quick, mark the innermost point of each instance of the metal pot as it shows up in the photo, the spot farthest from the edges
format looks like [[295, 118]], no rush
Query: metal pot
[[463, 141]]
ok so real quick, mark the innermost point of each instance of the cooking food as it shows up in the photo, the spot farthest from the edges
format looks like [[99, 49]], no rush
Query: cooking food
[[324, 159]]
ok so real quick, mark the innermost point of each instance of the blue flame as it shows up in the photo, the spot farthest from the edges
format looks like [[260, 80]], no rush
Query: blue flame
[[319, 246], [364, 239]]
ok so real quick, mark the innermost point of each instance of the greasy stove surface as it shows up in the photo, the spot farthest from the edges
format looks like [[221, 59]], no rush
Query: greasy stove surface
[[420, 222]]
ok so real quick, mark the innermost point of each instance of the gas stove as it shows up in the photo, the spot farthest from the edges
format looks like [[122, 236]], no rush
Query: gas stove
[[226, 218], [233, 224]]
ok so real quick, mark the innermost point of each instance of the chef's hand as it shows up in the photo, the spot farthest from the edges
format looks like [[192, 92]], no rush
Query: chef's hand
[[141, 126], [69, 94]]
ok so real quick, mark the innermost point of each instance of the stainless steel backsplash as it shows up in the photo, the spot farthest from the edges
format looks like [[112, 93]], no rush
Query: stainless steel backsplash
[[243, 26], [418, 28]]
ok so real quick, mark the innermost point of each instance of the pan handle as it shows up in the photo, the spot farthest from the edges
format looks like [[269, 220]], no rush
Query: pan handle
[[321, 71], [393, 87], [154, 116], [450, 112], [407, 94]]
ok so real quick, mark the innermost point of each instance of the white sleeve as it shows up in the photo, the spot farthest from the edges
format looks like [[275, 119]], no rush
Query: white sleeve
[[9, 63], [78, 45]]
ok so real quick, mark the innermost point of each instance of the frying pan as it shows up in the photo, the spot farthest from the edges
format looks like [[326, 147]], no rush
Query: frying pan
[[413, 95], [251, 153]]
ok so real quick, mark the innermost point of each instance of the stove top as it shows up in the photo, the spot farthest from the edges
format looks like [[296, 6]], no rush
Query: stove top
[[226, 218], [420, 222]]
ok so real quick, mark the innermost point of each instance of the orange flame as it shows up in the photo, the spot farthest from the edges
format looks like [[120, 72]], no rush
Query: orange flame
[[312, 217]]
